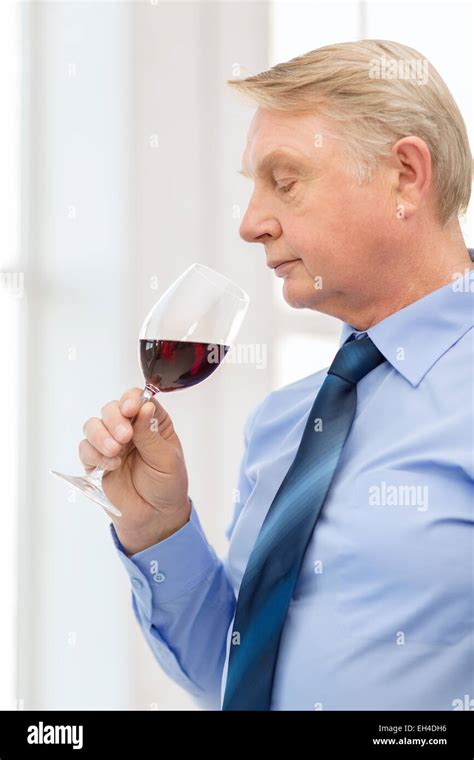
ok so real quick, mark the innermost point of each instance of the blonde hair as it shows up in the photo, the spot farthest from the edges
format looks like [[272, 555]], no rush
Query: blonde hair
[[372, 90]]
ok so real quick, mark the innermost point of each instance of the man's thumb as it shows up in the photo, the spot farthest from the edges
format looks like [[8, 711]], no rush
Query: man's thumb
[[146, 436]]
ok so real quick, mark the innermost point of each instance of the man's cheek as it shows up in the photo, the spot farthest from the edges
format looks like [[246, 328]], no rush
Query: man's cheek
[[310, 272]]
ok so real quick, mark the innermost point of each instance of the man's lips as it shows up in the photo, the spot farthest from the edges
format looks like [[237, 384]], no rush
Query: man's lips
[[281, 267], [275, 264]]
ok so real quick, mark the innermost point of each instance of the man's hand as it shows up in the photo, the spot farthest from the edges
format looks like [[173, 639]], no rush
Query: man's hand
[[146, 474]]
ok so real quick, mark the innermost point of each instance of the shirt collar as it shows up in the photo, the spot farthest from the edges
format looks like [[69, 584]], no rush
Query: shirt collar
[[415, 337]]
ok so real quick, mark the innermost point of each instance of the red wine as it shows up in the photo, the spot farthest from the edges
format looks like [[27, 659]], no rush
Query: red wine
[[172, 364]]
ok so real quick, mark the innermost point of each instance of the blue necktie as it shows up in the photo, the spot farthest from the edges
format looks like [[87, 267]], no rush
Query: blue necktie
[[275, 561]]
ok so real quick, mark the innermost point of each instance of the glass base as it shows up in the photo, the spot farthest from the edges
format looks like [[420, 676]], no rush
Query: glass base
[[90, 488]]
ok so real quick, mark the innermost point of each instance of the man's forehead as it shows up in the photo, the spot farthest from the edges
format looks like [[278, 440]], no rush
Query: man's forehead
[[283, 139]]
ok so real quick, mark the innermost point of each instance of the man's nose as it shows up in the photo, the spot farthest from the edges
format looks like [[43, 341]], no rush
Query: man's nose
[[258, 225]]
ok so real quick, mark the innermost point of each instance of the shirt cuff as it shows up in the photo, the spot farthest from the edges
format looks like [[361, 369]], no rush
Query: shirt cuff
[[166, 570]]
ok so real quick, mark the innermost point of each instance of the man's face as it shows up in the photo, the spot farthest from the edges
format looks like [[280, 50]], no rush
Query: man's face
[[307, 208]]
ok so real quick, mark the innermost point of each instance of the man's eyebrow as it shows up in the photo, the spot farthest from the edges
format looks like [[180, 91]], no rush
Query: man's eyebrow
[[281, 158]]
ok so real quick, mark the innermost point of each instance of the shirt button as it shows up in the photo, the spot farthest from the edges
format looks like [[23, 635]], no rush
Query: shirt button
[[159, 577], [137, 582]]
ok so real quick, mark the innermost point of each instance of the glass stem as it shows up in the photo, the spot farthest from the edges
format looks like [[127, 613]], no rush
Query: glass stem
[[98, 472]]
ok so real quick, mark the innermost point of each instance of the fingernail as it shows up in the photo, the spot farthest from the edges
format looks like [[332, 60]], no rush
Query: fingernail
[[127, 406]]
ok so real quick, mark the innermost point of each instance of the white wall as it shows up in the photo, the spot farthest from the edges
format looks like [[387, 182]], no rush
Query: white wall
[[12, 300], [74, 629]]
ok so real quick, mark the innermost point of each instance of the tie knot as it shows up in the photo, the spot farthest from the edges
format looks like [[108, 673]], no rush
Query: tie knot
[[355, 359]]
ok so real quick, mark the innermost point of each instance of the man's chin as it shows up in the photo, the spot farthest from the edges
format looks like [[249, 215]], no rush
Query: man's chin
[[299, 295]]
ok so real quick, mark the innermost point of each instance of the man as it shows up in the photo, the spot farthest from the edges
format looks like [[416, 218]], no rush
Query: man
[[348, 582]]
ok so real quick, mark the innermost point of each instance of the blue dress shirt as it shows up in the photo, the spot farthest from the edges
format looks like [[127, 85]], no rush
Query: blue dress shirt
[[383, 611]]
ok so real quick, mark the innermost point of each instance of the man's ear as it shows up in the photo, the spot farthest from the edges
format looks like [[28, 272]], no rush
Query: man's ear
[[411, 159]]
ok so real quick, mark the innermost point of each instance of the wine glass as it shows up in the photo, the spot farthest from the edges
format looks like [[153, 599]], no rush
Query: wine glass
[[183, 340]]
